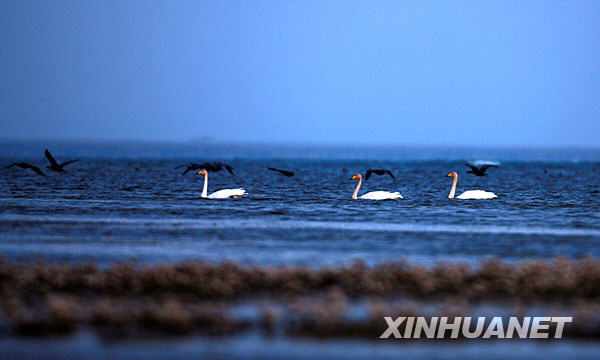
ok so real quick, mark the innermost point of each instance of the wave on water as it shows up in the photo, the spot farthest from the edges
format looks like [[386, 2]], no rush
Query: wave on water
[[324, 225]]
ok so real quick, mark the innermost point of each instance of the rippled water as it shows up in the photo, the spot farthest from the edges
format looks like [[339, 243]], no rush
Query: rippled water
[[121, 209]]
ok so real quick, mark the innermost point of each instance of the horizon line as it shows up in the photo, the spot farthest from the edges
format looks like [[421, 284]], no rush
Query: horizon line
[[208, 141]]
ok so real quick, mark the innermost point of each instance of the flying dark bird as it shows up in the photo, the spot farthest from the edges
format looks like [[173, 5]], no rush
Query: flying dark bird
[[27, 166], [480, 171], [54, 165], [283, 172], [379, 172], [209, 166]]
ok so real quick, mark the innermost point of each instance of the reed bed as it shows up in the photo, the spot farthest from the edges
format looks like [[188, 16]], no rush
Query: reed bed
[[127, 299]]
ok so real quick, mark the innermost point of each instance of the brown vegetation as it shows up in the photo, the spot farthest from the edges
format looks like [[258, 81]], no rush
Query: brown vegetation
[[130, 300]]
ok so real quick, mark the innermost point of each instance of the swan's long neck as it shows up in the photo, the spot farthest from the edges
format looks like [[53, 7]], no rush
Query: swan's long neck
[[355, 194], [453, 189], [205, 186]]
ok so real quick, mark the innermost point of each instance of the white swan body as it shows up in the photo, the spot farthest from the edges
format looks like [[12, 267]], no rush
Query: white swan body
[[227, 194], [221, 194], [469, 194], [374, 195], [381, 195], [476, 194]]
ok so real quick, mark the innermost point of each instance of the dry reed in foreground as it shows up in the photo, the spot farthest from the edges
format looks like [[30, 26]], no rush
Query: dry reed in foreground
[[128, 299]]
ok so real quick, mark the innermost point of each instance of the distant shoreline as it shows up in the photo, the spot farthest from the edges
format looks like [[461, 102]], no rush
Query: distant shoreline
[[20, 148]]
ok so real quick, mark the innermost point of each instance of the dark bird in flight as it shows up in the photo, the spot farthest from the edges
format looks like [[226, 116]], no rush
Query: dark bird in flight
[[27, 166], [283, 172], [379, 172], [54, 165], [210, 166], [480, 171]]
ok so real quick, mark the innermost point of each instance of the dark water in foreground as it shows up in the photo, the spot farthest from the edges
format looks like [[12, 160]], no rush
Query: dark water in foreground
[[253, 347], [121, 209]]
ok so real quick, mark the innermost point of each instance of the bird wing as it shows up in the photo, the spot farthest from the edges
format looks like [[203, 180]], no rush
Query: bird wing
[[27, 166], [368, 174], [189, 167], [228, 168], [50, 158], [284, 172], [473, 168], [36, 169], [68, 162], [483, 168], [390, 174]]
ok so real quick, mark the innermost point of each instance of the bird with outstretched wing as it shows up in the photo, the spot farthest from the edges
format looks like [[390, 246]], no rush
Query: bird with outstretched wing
[[54, 165], [209, 166], [480, 171], [379, 172]]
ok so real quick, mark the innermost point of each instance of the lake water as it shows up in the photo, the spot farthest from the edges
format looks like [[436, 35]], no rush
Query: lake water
[[126, 202]]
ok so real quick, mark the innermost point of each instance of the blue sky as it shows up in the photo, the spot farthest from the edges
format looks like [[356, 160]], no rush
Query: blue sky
[[497, 73]]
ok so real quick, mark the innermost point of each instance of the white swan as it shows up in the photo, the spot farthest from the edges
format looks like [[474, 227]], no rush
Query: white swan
[[221, 194], [470, 194], [374, 195]]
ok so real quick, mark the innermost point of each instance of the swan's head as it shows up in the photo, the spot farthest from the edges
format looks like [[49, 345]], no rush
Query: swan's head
[[453, 174], [357, 176], [202, 172]]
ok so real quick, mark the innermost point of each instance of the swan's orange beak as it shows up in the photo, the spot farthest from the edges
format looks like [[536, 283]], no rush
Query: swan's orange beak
[[202, 172], [449, 174], [354, 177]]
